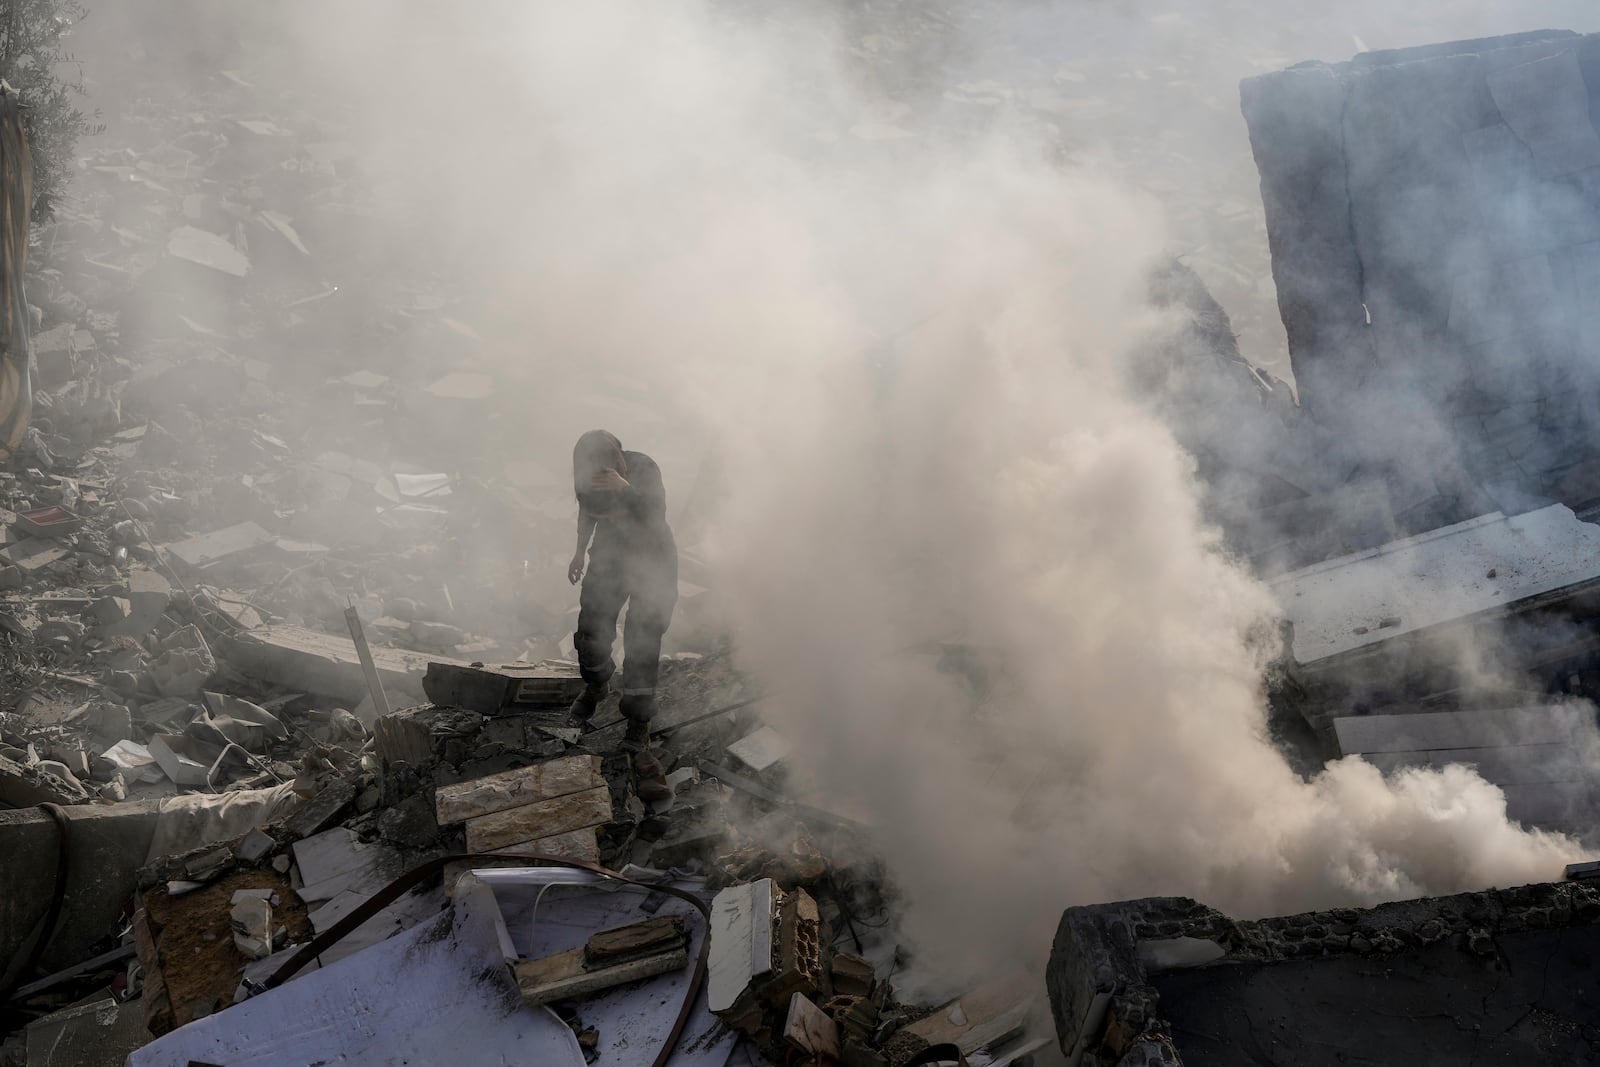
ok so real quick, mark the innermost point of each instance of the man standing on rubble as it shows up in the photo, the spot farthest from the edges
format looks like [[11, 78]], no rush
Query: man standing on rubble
[[633, 560]]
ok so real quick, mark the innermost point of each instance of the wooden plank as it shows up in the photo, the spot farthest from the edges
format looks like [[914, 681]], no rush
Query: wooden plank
[[320, 663], [542, 819], [581, 844], [515, 788], [1513, 765], [562, 977], [1431, 731], [647, 937]]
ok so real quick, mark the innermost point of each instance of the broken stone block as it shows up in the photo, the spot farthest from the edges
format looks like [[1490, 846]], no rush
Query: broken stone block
[[109, 610], [573, 845], [852, 975], [255, 846], [148, 596], [497, 690], [541, 819], [409, 824], [251, 917], [515, 788], [322, 810], [24, 787]]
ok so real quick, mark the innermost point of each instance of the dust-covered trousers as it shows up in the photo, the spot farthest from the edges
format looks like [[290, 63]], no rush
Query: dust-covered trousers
[[641, 572]]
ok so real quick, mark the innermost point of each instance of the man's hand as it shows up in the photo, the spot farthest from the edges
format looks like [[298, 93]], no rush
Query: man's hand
[[575, 569], [608, 480]]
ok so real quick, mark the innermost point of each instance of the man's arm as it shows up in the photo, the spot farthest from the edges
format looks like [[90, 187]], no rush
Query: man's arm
[[586, 525]]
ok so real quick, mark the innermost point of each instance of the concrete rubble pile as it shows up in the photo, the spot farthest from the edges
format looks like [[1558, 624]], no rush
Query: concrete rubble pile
[[280, 742]]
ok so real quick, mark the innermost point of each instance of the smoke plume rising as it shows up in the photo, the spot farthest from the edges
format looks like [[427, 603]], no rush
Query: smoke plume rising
[[908, 349]]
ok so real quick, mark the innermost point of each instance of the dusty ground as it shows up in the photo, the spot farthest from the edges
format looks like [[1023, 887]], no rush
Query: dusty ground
[[200, 962]]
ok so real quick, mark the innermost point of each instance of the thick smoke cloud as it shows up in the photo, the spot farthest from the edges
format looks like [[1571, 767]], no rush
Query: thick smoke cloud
[[907, 350]]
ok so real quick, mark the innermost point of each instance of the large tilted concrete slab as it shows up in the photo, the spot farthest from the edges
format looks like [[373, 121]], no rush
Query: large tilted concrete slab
[[1475, 569], [326, 664]]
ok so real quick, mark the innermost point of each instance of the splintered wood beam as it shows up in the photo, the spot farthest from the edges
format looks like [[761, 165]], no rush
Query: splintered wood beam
[[562, 976], [610, 958]]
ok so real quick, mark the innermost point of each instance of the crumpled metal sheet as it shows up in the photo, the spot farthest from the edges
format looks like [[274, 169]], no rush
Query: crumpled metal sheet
[[16, 200]]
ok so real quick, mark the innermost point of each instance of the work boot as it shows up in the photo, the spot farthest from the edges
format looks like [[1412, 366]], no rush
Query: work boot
[[652, 785], [637, 737], [593, 693]]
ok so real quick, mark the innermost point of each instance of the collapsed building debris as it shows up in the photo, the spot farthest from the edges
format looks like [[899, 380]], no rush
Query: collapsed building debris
[[1500, 975], [1428, 218], [211, 499]]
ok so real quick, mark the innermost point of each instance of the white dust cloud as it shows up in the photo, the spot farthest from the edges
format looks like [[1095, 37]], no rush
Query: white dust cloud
[[910, 350]]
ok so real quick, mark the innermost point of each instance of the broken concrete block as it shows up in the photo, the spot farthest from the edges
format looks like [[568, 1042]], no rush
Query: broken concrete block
[[322, 810], [409, 824], [515, 788], [148, 596], [495, 690], [24, 787], [251, 917], [255, 846], [541, 819], [852, 975], [581, 844], [109, 610]]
